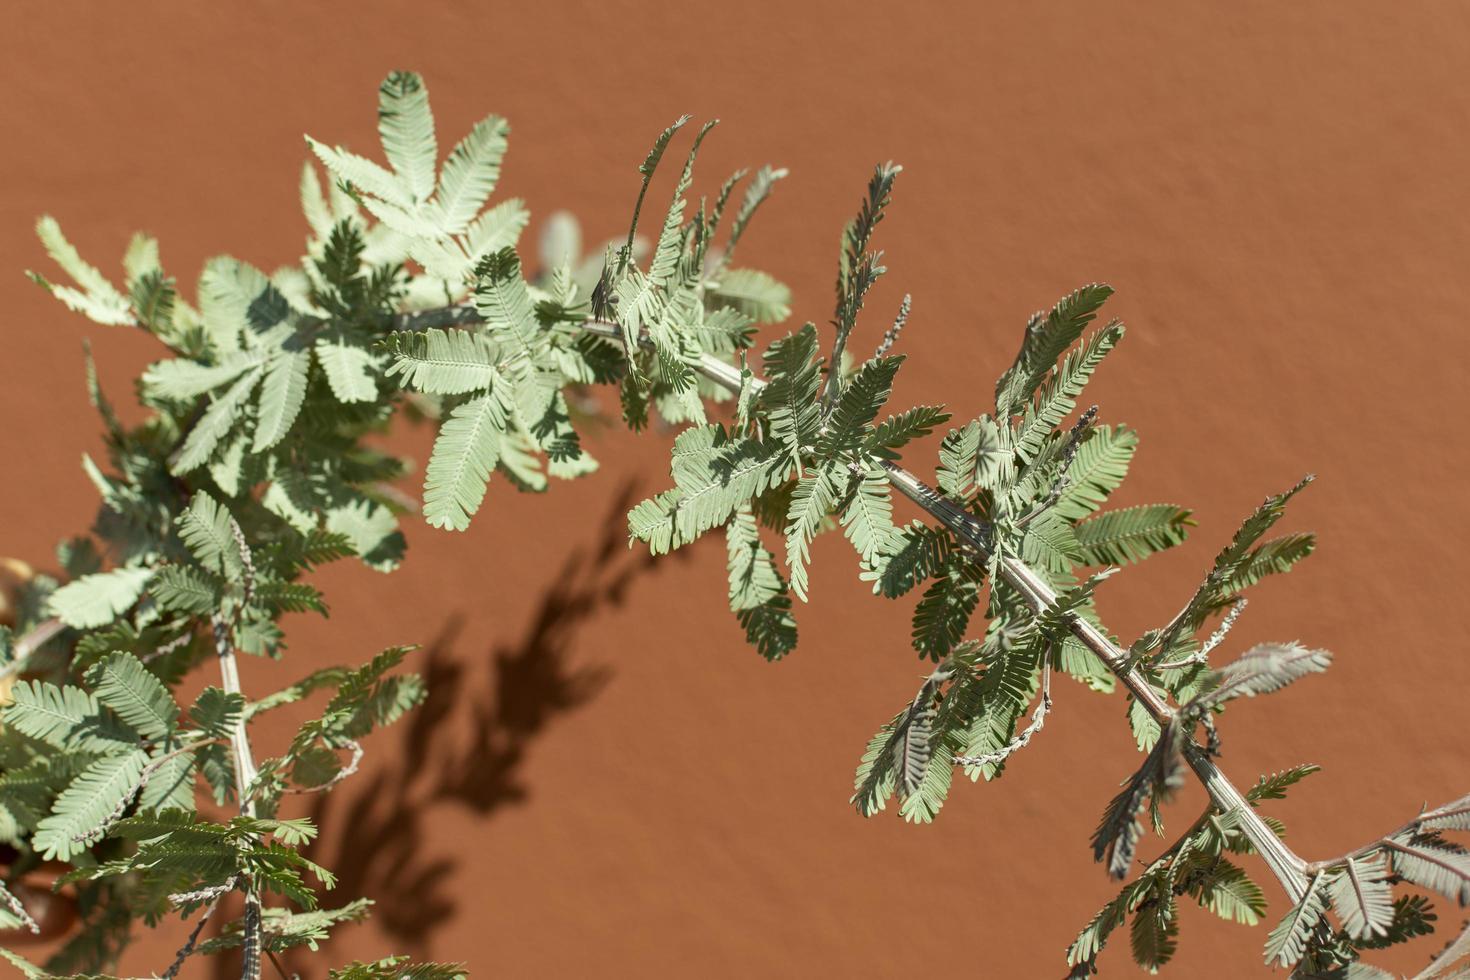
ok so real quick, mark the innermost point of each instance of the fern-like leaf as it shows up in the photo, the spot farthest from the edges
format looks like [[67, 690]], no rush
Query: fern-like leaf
[[139, 698], [471, 173], [83, 808], [444, 362], [406, 126], [1287, 943], [98, 599], [464, 454], [1262, 669], [1118, 537], [1363, 898], [281, 395]]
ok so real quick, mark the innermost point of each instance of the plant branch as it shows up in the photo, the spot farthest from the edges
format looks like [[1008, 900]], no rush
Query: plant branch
[[245, 773], [974, 534], [1283, 862], [1389, 841]]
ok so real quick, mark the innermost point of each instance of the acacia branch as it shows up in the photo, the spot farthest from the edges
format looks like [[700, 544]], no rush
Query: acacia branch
[[1283, 862]]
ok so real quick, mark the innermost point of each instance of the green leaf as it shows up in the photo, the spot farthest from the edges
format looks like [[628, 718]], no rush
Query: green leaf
[[652, 522], [1058, 396], [1413, 916], [281, 396], [1451, 816], [647, 168], [876, 778], [716, 474], [943, 613], [207, 530], [444, 362], [758, 593], [920, 553], [471, 173], [98, 298], [898, 430], [811, 502], [290, 597], [793, 379], [1099, 468], [1274, 786], [399, 968], [83, 807], [153, 299], [170, 782], [1131, 534], [756, 294], [1045, 341], [499, 227], [216, 423], [139, 698], [867, 520], [1430, 864], [1363, 898], [1262, 669], [503, 300], [1230, 893], [98, 599], [362, 174], [1275, 557], [182, 588], [972, 456], [28, 969], [1227, 563], [670, 245], [64, 717], [1154, 934], [756, 192], [465, 452], [1288, 941], [406, 127], [1117, 835], [372, 531], [857, 406], [1055, 620], [349, 370], [181, 379], [215, 712]]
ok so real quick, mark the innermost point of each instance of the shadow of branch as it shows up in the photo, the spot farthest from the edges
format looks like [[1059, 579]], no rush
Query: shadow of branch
[[373, 833]]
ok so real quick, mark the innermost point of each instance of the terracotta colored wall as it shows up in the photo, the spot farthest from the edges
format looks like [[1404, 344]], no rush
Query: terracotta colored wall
[[606, 784]]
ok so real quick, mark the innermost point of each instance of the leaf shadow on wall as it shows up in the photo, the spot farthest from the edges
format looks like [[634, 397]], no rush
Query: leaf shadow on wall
[[373, 833]]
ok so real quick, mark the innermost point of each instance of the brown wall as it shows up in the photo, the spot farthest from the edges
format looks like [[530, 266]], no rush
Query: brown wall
[[605, 781]]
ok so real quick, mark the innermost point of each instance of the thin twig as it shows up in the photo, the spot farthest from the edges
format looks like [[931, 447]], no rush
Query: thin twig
[[343, 773], [188, 948], [890, 336], [279, 968], [1038, 719], [1387, 840], [180, 899], [1202, 655], [18, 910]]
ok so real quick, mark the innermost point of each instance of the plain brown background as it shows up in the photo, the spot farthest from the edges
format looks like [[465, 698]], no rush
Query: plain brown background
[[606, 781]]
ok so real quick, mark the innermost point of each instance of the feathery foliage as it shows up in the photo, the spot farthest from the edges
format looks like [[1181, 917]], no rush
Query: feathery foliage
[[258, 461]]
